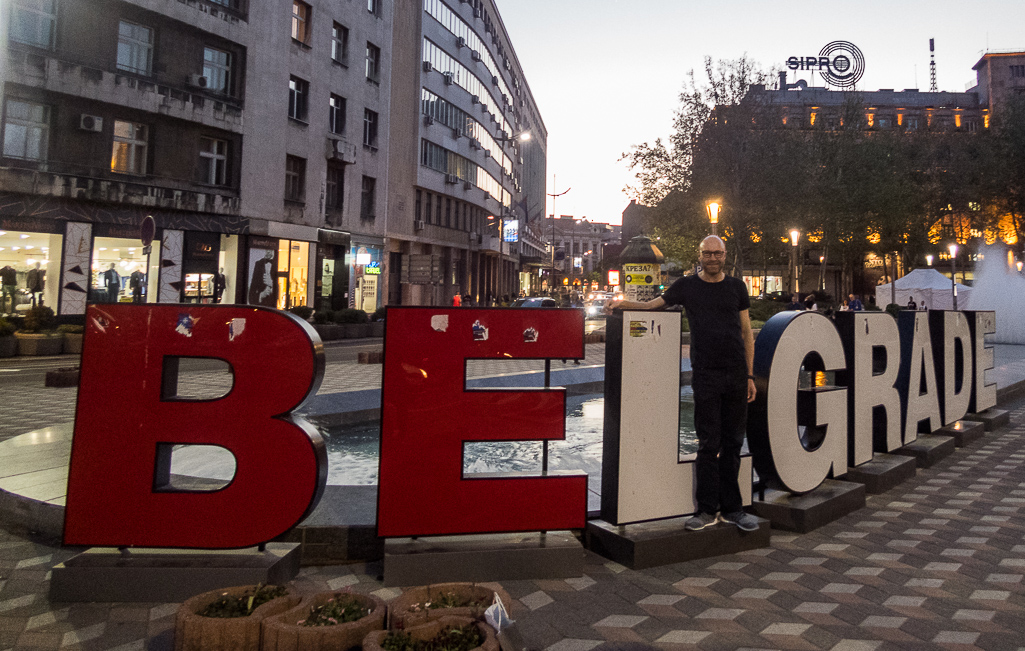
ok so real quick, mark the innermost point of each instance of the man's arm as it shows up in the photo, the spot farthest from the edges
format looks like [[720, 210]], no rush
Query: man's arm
[[654, 304], [749, 352]]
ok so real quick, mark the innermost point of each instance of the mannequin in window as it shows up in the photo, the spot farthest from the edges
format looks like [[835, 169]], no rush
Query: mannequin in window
[[8, 285], [34, 281], [137, 281], [261, 285], [219, 282], [112, 281]]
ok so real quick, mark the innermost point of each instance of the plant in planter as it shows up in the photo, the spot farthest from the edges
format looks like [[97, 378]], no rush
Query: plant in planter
[[304, 312], [449, 633], [37, 335], [426, 603], [328, 620], [73, 336], [229, 619], [8, 344], [354, 322]]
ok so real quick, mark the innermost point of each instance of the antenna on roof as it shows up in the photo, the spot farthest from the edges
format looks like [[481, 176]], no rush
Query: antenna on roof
[[932, 66]]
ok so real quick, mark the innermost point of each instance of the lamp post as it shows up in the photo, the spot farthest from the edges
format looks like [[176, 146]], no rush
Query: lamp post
[[1019, 266], [928, 259], [953, 272], [713, 209], [795, 237], [551, 283]]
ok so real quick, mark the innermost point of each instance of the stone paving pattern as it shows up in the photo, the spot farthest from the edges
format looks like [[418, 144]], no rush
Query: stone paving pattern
[[938, 562]]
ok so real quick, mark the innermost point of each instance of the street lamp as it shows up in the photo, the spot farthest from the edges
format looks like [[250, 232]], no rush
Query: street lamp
[[551, 283], [1019, 266], [928, 259], [713, 209], [953, 272], [795, 237], [522, 136]]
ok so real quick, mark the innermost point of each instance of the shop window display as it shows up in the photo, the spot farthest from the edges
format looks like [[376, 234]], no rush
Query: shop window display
[[293, 273], [118, 271], [24, 259]]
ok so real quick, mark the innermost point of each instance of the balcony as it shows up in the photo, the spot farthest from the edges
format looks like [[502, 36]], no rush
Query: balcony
[[49, 180], [59, 76]]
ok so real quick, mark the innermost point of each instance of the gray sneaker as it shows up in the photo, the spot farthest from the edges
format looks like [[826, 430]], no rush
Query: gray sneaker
[[744, 520], [699, 521]]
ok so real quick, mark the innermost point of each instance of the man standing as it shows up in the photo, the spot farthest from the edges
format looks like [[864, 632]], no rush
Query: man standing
[[795, 303], [112, 281], [855, 304], [722, 361]]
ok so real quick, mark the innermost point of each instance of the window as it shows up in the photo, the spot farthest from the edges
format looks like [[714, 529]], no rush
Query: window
[[295, 178], [298, 98], [429, 213], [374, 7], [33, 22], [1018, 71], [213, 161], [130, 148], [217, 70], [335, 186], [366, 208], [26, 130], [373, 63], [369, 128], [336, 114], [340, 43], [135, 48], [301, 14]]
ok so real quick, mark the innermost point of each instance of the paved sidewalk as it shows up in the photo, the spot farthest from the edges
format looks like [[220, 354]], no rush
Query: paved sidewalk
[[938, 562]]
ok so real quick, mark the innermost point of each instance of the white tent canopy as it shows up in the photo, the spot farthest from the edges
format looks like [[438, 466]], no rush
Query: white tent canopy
[[926, 285]]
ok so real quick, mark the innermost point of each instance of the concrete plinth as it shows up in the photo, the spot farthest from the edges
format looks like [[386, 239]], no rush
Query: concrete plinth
[[650, 544], [963, 432], [803, 513], [992, 418], [164, 575], [927, 449], [882, 473], [490, 557]]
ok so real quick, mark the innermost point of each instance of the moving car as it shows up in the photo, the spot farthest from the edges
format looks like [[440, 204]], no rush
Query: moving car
[[595, 309], [535, 301]]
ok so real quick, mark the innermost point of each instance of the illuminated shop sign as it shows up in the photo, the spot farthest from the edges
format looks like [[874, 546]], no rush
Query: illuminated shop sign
[[934, 372], [511, 230], [614, 277], [840, 63], [373, 269]]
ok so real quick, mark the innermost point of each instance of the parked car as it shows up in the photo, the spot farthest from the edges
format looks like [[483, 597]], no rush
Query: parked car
[[535, 301]]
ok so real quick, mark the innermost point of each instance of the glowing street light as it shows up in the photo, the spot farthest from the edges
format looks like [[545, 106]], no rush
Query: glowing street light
[[795, 237], [928, 259], [713, 209], [953, 272]]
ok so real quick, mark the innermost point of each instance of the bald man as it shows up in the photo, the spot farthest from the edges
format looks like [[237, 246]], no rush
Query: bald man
[[722, 360]]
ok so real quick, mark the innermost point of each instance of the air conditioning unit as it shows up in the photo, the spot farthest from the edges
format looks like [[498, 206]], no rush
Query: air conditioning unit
[[475, 99], [427, 66], [476, 13], [460, 42], [456, 133], [428, 120], [476, 55], [90, 123], [507, 66], [198, 81], [449, 79], [474, 143], [467, 185], [418, 224], [451, 178], [494, 80], [487, 153]]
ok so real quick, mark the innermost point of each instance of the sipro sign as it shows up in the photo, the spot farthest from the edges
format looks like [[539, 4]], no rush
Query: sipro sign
[[840, 63], [897, 379]]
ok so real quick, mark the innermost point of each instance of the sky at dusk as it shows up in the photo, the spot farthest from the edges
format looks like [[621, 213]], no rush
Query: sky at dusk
[[607, 74]]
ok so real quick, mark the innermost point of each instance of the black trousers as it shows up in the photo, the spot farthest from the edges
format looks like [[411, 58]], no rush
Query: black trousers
[[720, 418]]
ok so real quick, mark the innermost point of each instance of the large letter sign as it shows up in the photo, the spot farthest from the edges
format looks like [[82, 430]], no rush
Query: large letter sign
[[917, 377], [952, 351], [129, 418], [427, 414], [984, 395], [799, 460], [872, 347]]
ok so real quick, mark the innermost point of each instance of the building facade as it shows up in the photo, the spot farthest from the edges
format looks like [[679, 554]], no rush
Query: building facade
[[280, 159]]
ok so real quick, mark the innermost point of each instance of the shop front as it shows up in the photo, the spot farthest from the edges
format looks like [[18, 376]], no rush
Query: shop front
[[332, 262], [27, 253], [365, 276], [279, 272]]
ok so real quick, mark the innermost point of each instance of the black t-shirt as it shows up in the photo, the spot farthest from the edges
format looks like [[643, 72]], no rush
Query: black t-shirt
[[713, 312]]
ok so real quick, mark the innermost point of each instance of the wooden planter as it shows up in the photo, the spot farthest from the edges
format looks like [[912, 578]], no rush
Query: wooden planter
[[282, 632], [8, 346], [73, 342], [39, 343], [409, 608], [193, 632], [372, 642]]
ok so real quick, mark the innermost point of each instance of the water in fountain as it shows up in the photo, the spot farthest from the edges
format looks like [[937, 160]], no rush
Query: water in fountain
[[1000, 287]]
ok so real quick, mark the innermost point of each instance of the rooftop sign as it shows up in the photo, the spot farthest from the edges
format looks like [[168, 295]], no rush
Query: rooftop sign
[[840, 63]]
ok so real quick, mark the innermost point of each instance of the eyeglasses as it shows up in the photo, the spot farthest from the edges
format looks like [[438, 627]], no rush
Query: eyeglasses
[[713, 254]]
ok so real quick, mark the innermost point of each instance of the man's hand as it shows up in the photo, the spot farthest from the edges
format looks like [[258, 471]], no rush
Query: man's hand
[[611, 305], [752, 391]]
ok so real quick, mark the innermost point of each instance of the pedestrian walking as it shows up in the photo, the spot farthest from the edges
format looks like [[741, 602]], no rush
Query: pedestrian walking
[[722, 359]]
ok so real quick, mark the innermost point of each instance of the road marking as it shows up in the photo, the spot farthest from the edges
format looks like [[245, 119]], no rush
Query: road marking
[[10, 370]]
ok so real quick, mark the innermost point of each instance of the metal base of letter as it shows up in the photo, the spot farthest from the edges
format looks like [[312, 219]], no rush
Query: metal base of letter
[[104, 574], [807, 512], [650, 544], [928, 449], [991, 418], [883, 472], [486, 557]]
